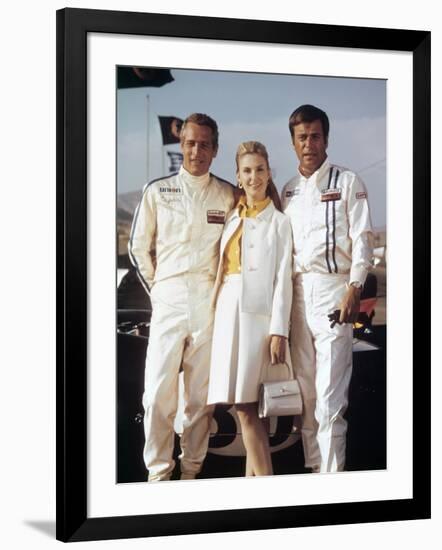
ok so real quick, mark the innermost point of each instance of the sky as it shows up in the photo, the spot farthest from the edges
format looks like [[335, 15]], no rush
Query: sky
[[253, 106]]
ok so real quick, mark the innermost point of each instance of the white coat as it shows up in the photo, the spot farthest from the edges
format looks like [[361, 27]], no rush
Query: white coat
[[266, 266], [251, 306]]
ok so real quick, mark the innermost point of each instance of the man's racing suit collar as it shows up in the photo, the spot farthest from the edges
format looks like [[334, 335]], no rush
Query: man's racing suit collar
[[319, 174], [194, 181]]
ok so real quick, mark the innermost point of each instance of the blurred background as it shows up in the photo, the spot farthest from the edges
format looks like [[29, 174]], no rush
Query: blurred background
[[151, 104]]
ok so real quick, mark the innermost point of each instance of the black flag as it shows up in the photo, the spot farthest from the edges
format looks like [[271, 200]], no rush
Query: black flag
[[170, 129], [137, 77]]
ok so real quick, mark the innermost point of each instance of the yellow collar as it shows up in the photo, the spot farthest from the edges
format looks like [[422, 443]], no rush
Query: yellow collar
[[245, 211]]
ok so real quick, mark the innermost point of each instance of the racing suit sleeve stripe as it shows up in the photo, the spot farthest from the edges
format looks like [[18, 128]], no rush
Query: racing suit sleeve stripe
[[327, 228], [334, 223], [141, 239]]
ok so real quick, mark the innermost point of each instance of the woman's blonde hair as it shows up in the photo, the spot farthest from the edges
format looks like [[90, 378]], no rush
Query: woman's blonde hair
[[257, 148]]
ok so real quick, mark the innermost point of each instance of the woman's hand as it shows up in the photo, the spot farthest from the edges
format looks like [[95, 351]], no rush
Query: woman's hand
[[277, 349]]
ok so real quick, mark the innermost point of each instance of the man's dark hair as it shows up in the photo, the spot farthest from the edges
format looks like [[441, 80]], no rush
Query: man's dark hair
[[309, 113], [202, 120]]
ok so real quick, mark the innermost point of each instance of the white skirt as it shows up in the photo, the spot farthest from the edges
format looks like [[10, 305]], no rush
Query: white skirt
[[240, 348]]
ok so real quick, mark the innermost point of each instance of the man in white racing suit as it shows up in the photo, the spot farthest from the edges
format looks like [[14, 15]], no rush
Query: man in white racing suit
[[329, 213], [174, 245]]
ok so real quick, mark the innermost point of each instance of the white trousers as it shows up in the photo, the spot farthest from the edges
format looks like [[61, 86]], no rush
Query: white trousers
[[322, 359], [180, 335]]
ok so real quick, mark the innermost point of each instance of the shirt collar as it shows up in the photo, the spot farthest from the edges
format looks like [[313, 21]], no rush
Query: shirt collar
[[265, 210], [252, 211]]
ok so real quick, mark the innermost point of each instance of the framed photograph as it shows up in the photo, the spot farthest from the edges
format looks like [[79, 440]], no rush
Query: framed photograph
[[125, 83]]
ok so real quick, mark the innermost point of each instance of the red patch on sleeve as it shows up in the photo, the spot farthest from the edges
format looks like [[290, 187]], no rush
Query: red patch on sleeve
[[361, 195]]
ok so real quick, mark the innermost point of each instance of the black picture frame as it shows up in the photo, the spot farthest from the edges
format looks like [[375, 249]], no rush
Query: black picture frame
[[73, 26]]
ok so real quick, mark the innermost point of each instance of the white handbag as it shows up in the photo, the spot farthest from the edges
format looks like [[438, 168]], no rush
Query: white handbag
[[280, 398]]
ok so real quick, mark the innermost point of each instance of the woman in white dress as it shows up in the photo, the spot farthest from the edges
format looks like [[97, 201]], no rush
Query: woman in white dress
[[252, 296]]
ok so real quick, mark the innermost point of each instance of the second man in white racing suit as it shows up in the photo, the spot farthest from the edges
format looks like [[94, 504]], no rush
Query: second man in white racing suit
[[329, 213]]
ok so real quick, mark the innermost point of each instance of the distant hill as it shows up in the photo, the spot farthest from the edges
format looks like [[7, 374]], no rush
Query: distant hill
[[124, 216], [127, 202], [380, 236]]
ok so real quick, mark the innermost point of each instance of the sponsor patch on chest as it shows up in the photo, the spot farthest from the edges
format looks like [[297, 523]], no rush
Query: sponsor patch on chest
[[216, 216], [330, 195], [361, 195], [171, 190]]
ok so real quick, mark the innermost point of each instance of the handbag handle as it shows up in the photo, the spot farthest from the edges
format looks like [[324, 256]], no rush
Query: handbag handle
[[289, 370]]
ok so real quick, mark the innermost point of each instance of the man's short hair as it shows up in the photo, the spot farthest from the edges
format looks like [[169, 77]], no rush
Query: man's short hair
[[202, 120], [309, 113]]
